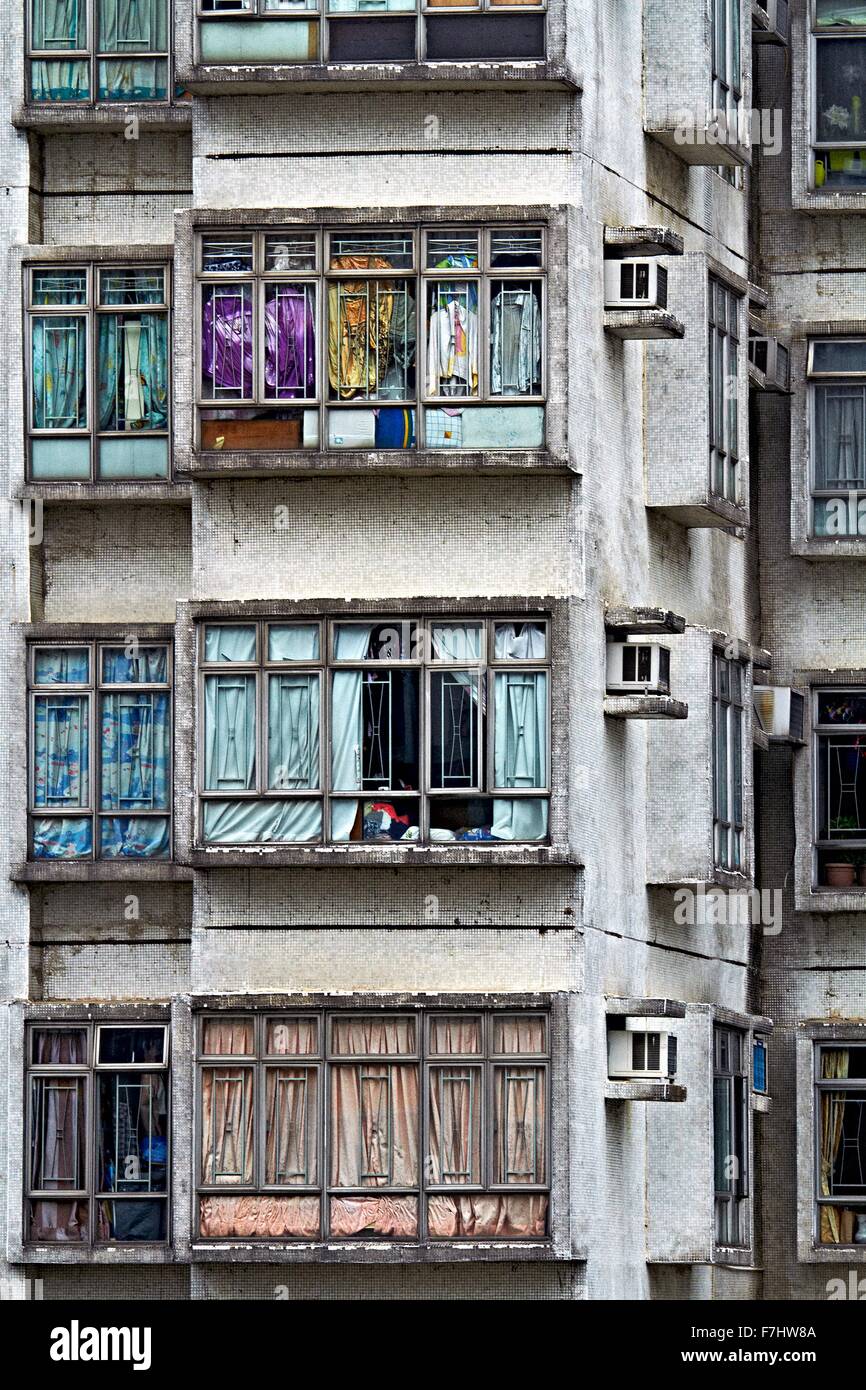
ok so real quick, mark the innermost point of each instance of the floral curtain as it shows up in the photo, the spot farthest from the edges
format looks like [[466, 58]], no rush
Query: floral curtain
[[59, 372], [132, 374]]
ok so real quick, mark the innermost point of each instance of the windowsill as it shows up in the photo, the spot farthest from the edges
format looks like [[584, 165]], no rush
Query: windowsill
[[128, 490], [740, 1255], [237, 463], [357, 854], [398, 75], [826, 200], [378, 1251], [98, 871], [829, 547], [822, 899], [109, 116], [69, 1253], [714, 878]]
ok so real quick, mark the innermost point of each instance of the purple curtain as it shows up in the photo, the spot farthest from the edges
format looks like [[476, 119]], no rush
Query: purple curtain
[[290, 342]]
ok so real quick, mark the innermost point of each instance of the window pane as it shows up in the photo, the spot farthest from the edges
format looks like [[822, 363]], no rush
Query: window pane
[[134, 665], [291, 1125], [456, 641], [69, 837], [519, 1150], [293, 731], [293, 642], [58, 1045], [119, 1046], [60, 749], [227, 1037], [394, 641], [452, 333], [372, 1036], [455, 1035], [61, 666], [842, 786], [59, 24], [136, 751], [452, 250], [60, 286], [229, 643], [520, 641], [134, 837], [455, 1124], [514, 247], [840, 437], [227, 254], [364, 40], [59, 373], [227, 342], [272, 1216], [230, 732], [351, 250], [57, 1134], [842, 707], [291, 251], [132, 372], [839, 356], [520, 729], [262, 822], [227, 1125], [374, 1125], [455, 730], [57, 1221], [371, 336], [373, 1216], [845, 12], [722, 1133], [290, 341], [515, 338], [485, 1215], [133, 1126], [292, 1037], [143, 79], [137, 27], [60, 81], [520, 1035], [132, 1220]]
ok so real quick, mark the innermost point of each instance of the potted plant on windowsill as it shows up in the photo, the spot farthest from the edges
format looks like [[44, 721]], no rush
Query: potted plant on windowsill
[[841, 872]]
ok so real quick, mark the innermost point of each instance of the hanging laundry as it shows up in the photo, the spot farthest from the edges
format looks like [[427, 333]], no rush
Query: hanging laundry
[[452, 349], [515, 337]]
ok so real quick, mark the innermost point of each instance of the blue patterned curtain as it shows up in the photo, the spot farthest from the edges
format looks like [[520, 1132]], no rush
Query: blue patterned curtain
[[59, 372], [132, 375], [59, 26], [60, 751], [135, 751], [128, 27]]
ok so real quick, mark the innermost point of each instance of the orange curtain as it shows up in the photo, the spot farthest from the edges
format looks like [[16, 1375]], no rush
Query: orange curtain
[[486, 1215], [259, 1216], [291, 1138]]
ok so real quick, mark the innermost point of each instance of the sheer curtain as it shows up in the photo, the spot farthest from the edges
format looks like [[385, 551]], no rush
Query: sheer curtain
[[58, 25], [132, 376], [127, 27], [347, 730], [520, 735], [59, 372], [837, 1223]]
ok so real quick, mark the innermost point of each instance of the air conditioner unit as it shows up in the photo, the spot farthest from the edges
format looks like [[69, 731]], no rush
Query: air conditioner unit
[[645, 1050], [770, 23], [780, 711], [635, 284], [769, 363], [642, 668]]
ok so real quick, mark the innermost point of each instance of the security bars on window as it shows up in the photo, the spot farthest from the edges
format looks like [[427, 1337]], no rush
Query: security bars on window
[[99, 389], [398, 732], [358, 31], [838, 62], [728, 714], [100, 751], [97, 1133], [88, 51], [410, 338], [386, 1126]]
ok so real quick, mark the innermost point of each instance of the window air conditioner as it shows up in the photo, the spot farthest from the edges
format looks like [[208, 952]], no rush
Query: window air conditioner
[[645, 1050], [780, 711], [638, 668], [769, 363], [772, 25], [635, 284]]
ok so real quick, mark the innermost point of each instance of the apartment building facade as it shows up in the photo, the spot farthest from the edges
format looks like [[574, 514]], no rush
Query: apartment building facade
[[427, 432]]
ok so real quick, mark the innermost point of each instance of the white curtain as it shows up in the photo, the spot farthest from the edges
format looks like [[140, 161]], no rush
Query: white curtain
[[347, 731]]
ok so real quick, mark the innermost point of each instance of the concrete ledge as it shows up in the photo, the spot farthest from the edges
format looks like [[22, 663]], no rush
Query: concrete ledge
[[641, 241], [646, 621], [851, 899], [99, 871], [828, 548], [446, 855], [762, 1105], [645, 707], [643, 323], [107, 117], [91, 1255], [377, 1252], [644, 1090], [311, 462], [699, 149], [704, 512], [117, 493], [645, 1008], [227, 79]]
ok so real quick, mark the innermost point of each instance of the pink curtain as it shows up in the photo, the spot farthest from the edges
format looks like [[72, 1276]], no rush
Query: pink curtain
[[227, 1125], [518, 1035], [381, 1216], [58, 1135], [291, 1141], [372, 1036], [519, 1154], [227, 1037], [454, 1036], [60, 1046], [374, 1125], [455, 1124], [292, 1037], [58, 1221], [260, 1216], [487, 1216]]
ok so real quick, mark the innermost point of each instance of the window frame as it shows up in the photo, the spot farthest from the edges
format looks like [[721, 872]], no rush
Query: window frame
[[93, 690], [727, 77], [816, 148], [89, 1071], [487, 665], [822, 731], [94, 56], [820, 1085], [724, 408], [90, 312], [737, 1194], [824, 381], [323, 1061], [728, 825], [420, 276]]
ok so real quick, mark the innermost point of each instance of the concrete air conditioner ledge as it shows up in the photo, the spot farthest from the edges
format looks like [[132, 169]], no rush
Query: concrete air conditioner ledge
[[762, 1105], [644, 1090], [643, 323], [645, 707]]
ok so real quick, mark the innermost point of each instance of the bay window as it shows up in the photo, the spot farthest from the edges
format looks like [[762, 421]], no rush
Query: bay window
[[388, 1126], [731, 1135], [97, 1133], [724, 349], [100, 751], [840, 752], [375, 731], [87, 51], [837, 390], [358, 31], [728, 713], [839, 118], [840, 1106], [430, 338], [98, 399]]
